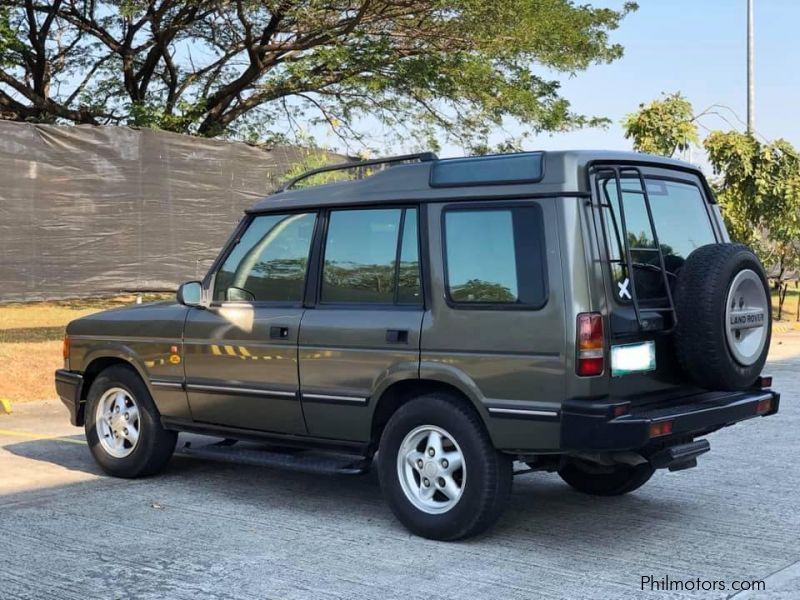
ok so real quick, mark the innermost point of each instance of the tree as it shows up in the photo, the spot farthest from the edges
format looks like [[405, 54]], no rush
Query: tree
[[316, 158], [257, 69], [756, 183], [759, 192], [663, 126]]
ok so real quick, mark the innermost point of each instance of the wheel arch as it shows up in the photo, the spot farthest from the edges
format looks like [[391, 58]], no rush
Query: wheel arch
[[400, 392], [96, 365]]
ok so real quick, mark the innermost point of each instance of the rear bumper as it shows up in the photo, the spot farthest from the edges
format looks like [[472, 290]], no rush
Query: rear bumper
[[68, 387], [592, 426]]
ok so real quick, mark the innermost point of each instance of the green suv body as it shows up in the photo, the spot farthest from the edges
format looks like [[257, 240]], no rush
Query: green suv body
[[581, 312]]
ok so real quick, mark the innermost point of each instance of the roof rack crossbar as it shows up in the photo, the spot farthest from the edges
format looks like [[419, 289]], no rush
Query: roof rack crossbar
[[419, 157]]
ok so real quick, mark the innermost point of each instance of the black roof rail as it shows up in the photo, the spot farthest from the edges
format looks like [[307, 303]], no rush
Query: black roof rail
[[419, 157]]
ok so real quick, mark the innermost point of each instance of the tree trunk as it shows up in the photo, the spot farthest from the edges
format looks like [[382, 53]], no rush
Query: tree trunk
[[797, 314], [782, 287]]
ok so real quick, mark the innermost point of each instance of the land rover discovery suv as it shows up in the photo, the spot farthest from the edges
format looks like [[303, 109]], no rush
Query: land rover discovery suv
[[582, 313]]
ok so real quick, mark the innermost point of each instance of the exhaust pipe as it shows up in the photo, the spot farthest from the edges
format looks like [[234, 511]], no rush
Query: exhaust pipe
[[680, 457]]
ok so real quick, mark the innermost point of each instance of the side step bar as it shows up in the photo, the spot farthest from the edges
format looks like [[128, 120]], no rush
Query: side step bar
[[297, 460], [678, 458]]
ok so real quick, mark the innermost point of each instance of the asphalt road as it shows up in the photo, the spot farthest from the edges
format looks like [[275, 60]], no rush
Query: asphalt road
[[216, 530]]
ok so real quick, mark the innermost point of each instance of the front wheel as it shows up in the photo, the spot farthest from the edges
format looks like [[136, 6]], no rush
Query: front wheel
[[123, 427], [605, 481], [439, 472]]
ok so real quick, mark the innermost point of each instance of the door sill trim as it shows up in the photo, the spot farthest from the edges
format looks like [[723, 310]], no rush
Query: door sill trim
[[301, 441]]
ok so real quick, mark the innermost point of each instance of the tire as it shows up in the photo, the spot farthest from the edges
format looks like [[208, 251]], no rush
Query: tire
[[154, 445], [619, 480], [715, 354], [484, 480]]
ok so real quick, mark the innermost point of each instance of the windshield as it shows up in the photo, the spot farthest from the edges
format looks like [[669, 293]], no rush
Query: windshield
[[682, 224]]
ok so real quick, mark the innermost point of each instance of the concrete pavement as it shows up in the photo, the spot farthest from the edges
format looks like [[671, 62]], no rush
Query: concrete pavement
[[215, 530]]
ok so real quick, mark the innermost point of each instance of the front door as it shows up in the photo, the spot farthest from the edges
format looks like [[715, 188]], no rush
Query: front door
[[241, 351], [364, 328]]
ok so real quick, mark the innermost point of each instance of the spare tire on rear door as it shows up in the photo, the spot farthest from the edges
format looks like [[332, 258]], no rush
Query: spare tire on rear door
[[724, 317]]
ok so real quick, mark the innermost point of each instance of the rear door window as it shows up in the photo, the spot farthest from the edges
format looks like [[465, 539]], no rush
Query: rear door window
[[372, 257], [682, 223]]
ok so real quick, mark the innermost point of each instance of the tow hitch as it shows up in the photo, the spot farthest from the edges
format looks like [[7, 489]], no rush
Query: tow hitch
[[680, 457]]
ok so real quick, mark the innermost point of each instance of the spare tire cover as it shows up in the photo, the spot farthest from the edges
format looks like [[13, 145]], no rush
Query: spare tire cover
[[722, 304]]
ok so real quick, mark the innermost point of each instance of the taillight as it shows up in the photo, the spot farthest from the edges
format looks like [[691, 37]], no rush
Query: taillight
[[590, 345]]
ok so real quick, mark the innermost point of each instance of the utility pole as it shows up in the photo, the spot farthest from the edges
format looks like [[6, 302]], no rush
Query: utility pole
[[751, 109]]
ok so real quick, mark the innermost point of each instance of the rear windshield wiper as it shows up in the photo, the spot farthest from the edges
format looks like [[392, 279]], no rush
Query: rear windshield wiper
[[651, 267]]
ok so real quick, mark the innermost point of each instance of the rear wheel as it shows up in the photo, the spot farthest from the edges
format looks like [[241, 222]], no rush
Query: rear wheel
[[439, 472], [123, 429], [605, 481]]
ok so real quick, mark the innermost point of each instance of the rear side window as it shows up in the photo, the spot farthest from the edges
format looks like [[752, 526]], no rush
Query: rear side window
[[268, 263], [495, 256], [372, 257]]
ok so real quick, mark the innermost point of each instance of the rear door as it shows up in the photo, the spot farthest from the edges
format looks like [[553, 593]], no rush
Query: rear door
[[496, 322], [684, 221], [241, 352], [364, 328]]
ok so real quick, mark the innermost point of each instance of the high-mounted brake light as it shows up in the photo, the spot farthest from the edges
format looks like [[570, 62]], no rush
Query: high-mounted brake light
[[590, 360]]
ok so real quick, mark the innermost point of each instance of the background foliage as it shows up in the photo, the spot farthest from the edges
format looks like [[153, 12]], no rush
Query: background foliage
[[757, 183], [663, 126]]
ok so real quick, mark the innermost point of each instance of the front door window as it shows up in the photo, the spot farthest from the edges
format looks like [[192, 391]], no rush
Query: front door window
[[268, 263]]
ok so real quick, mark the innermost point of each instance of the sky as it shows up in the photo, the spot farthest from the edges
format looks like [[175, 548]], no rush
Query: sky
[[697, 47]]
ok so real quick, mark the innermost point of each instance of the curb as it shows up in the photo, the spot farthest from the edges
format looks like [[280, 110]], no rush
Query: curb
[[785, 327]]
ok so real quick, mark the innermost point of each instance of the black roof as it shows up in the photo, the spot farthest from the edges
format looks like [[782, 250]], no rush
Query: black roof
[[562, 172]]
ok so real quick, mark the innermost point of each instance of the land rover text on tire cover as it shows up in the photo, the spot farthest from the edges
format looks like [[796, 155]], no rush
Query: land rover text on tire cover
[[453, 322]]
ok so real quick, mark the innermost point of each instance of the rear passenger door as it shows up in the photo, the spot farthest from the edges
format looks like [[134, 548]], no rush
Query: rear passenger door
[[363, 329], [496, 323]]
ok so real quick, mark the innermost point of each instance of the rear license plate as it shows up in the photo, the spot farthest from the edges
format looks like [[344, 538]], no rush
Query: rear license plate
[[633, 358]]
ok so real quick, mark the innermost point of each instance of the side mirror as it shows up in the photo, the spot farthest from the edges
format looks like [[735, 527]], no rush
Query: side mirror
[[191, 293]]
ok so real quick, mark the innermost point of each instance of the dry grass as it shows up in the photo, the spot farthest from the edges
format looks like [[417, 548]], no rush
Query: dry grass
[[30, 342], [60, 312], [789, 304], [27, 370]]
